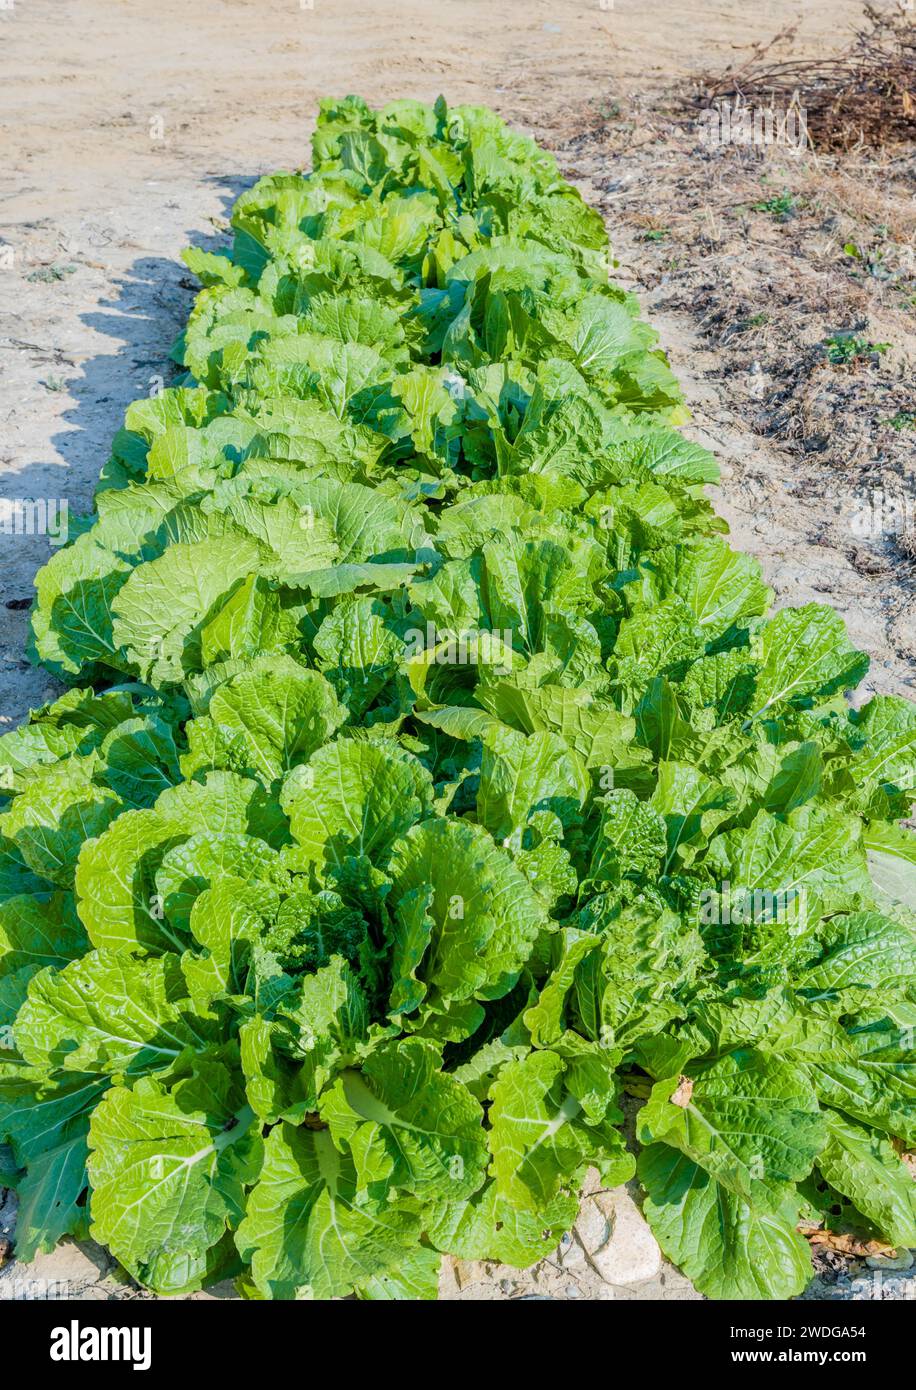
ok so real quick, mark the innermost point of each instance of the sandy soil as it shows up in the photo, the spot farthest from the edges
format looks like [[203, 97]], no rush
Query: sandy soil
[[129, 128]]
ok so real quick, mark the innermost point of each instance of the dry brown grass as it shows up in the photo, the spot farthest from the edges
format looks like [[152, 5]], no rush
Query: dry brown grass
[[865, 96]]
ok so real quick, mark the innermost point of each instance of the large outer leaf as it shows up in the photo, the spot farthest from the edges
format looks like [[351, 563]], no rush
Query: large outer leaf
[[810, 852], [863, 952], [750, 1121], [889, 723], [116, 890], [61, 808], [47, 1122], [72, 623], [864, 1167], [806, 653], [109, 1012], [141, 759], [52, 1195], [408, 1123], [168, 1169], [164, 602], [35, 933], [720, 586], [306, 1232], [727, 1248], [870, 1075]]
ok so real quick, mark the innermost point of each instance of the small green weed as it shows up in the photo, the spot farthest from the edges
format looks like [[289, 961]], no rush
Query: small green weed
[[843, 349]]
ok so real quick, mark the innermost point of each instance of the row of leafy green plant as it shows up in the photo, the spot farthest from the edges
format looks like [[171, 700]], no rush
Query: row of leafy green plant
[[434, 778]]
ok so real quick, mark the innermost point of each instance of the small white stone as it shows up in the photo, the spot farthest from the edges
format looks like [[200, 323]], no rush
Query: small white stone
[[632, 1253]]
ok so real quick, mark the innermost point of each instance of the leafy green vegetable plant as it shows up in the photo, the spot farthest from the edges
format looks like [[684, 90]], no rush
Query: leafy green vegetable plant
[[845, 349], [432, 769]]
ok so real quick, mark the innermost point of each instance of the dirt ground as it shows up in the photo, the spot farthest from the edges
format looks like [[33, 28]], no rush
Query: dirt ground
[[129, 128]]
